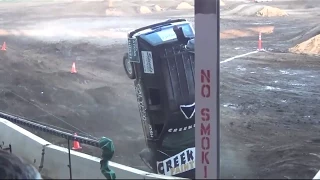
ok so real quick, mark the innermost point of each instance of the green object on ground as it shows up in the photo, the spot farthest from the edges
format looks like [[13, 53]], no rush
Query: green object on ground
[[107, 147]]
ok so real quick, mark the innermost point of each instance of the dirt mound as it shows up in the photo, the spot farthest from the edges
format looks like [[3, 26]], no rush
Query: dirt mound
[[269, 11], [127, 10], [184, 6], [254, 10], [243, 10], [156, 8], [311, 47], [144, 10]]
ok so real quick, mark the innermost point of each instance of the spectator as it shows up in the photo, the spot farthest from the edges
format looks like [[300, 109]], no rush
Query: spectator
[[13, 167]]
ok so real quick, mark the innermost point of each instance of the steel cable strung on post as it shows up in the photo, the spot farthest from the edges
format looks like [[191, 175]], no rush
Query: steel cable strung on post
[[69, 136], [104, 143]]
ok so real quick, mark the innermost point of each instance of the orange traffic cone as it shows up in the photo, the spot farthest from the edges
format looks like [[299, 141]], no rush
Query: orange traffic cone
[[4, 47], [76, 144], [73, 68]]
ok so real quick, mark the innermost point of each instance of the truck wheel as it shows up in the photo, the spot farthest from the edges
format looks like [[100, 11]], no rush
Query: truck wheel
[[128, 67]]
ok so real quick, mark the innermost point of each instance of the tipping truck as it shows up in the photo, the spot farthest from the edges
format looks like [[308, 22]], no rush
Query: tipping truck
[[160, 60]]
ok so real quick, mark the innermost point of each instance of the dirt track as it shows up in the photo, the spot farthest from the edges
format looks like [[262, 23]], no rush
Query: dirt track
[[269, 100]]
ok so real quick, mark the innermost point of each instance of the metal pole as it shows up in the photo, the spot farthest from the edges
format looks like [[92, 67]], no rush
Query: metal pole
[[69, 154], [207, 66]]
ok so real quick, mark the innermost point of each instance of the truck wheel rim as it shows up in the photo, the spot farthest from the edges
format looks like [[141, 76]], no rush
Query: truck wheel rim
[[128, 66]]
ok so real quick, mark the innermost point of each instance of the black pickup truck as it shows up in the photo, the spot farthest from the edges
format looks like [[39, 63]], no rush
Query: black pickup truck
[[160, 59]]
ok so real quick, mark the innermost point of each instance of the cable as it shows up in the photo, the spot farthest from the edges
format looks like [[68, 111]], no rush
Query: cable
[[39, 107], [43, 124], [56, 132]]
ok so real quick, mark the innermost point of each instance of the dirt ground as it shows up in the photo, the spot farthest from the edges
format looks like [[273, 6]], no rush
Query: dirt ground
[[269, 100]]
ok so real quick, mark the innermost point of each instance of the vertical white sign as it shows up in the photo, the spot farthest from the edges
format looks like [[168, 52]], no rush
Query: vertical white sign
[[207, 14], [147, 62]]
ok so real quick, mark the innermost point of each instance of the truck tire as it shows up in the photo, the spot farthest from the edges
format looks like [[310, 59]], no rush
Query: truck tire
[[128, 67]]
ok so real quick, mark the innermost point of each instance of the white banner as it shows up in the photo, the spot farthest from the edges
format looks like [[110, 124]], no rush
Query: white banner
[[179, 163]]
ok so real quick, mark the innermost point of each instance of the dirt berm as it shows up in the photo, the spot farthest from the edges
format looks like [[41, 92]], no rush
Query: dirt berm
[[307, 41], [255, 10], [310, 47], [305, 34]]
